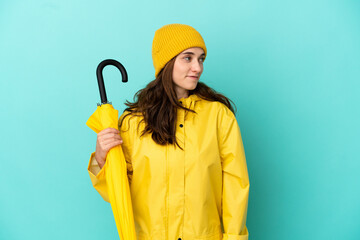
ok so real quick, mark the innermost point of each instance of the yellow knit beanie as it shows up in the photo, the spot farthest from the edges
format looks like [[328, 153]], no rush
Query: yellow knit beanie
[[172, 39]]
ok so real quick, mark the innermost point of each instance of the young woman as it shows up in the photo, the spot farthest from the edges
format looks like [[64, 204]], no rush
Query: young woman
[[182, 144]]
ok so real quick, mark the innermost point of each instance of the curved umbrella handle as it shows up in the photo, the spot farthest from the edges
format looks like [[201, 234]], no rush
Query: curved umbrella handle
[[101, 79]]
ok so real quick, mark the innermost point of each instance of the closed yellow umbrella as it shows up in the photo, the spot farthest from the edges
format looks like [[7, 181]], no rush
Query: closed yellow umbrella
[[117, 185]]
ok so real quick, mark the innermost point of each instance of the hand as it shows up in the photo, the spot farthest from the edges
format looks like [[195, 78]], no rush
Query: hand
[[106, 139]]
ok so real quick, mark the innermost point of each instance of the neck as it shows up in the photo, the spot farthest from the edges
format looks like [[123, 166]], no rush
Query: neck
[[184, 94]]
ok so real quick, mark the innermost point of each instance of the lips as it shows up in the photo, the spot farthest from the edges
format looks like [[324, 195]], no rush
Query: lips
[[193, 77]]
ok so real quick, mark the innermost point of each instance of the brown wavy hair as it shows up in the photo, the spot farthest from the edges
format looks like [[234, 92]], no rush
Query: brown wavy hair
[[158, 104]]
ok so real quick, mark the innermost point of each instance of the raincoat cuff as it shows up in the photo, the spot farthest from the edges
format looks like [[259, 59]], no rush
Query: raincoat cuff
[[235, 237], [93, 166], [98, 179]]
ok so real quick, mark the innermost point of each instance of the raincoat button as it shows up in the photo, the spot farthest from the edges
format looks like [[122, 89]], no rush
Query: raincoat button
[[181, 125], [179, 238], [180, 101]]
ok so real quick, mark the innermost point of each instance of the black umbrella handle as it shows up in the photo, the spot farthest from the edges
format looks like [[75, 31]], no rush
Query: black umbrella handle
[[100, 78]]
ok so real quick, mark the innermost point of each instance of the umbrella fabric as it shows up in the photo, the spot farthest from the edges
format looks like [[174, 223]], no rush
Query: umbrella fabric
[[117, 183]]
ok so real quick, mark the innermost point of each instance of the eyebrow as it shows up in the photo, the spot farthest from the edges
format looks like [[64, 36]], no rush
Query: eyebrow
[[191, 53]]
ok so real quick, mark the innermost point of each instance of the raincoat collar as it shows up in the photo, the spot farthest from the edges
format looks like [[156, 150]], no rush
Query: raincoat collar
[[190, 101]]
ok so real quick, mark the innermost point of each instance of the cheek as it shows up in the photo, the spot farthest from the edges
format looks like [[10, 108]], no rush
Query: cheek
[[179, 71], [175, 74]]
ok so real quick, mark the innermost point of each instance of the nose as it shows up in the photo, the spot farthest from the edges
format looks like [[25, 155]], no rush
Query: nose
[[196, 66]]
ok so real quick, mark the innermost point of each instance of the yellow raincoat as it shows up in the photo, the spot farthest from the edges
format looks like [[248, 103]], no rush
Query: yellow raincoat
[[200, 193]]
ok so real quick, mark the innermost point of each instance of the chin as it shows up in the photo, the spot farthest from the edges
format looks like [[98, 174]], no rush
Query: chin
[[192, 87]]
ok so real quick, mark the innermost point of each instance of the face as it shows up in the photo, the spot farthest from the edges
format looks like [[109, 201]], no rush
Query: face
[[188, 68]]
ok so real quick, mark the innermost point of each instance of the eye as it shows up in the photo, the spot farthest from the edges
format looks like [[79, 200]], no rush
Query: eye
[[202, 59], [187, 58]]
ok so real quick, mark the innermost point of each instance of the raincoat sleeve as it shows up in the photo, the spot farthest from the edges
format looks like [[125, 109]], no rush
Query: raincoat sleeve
[[235, 178], [97, 175]]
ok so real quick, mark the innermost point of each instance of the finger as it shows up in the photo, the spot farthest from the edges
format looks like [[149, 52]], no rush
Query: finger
[[110, 136], [112, 144], [108, 130], [110, 141]]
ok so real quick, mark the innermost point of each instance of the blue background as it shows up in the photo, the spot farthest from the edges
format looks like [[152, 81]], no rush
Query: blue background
[[291, 67]]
